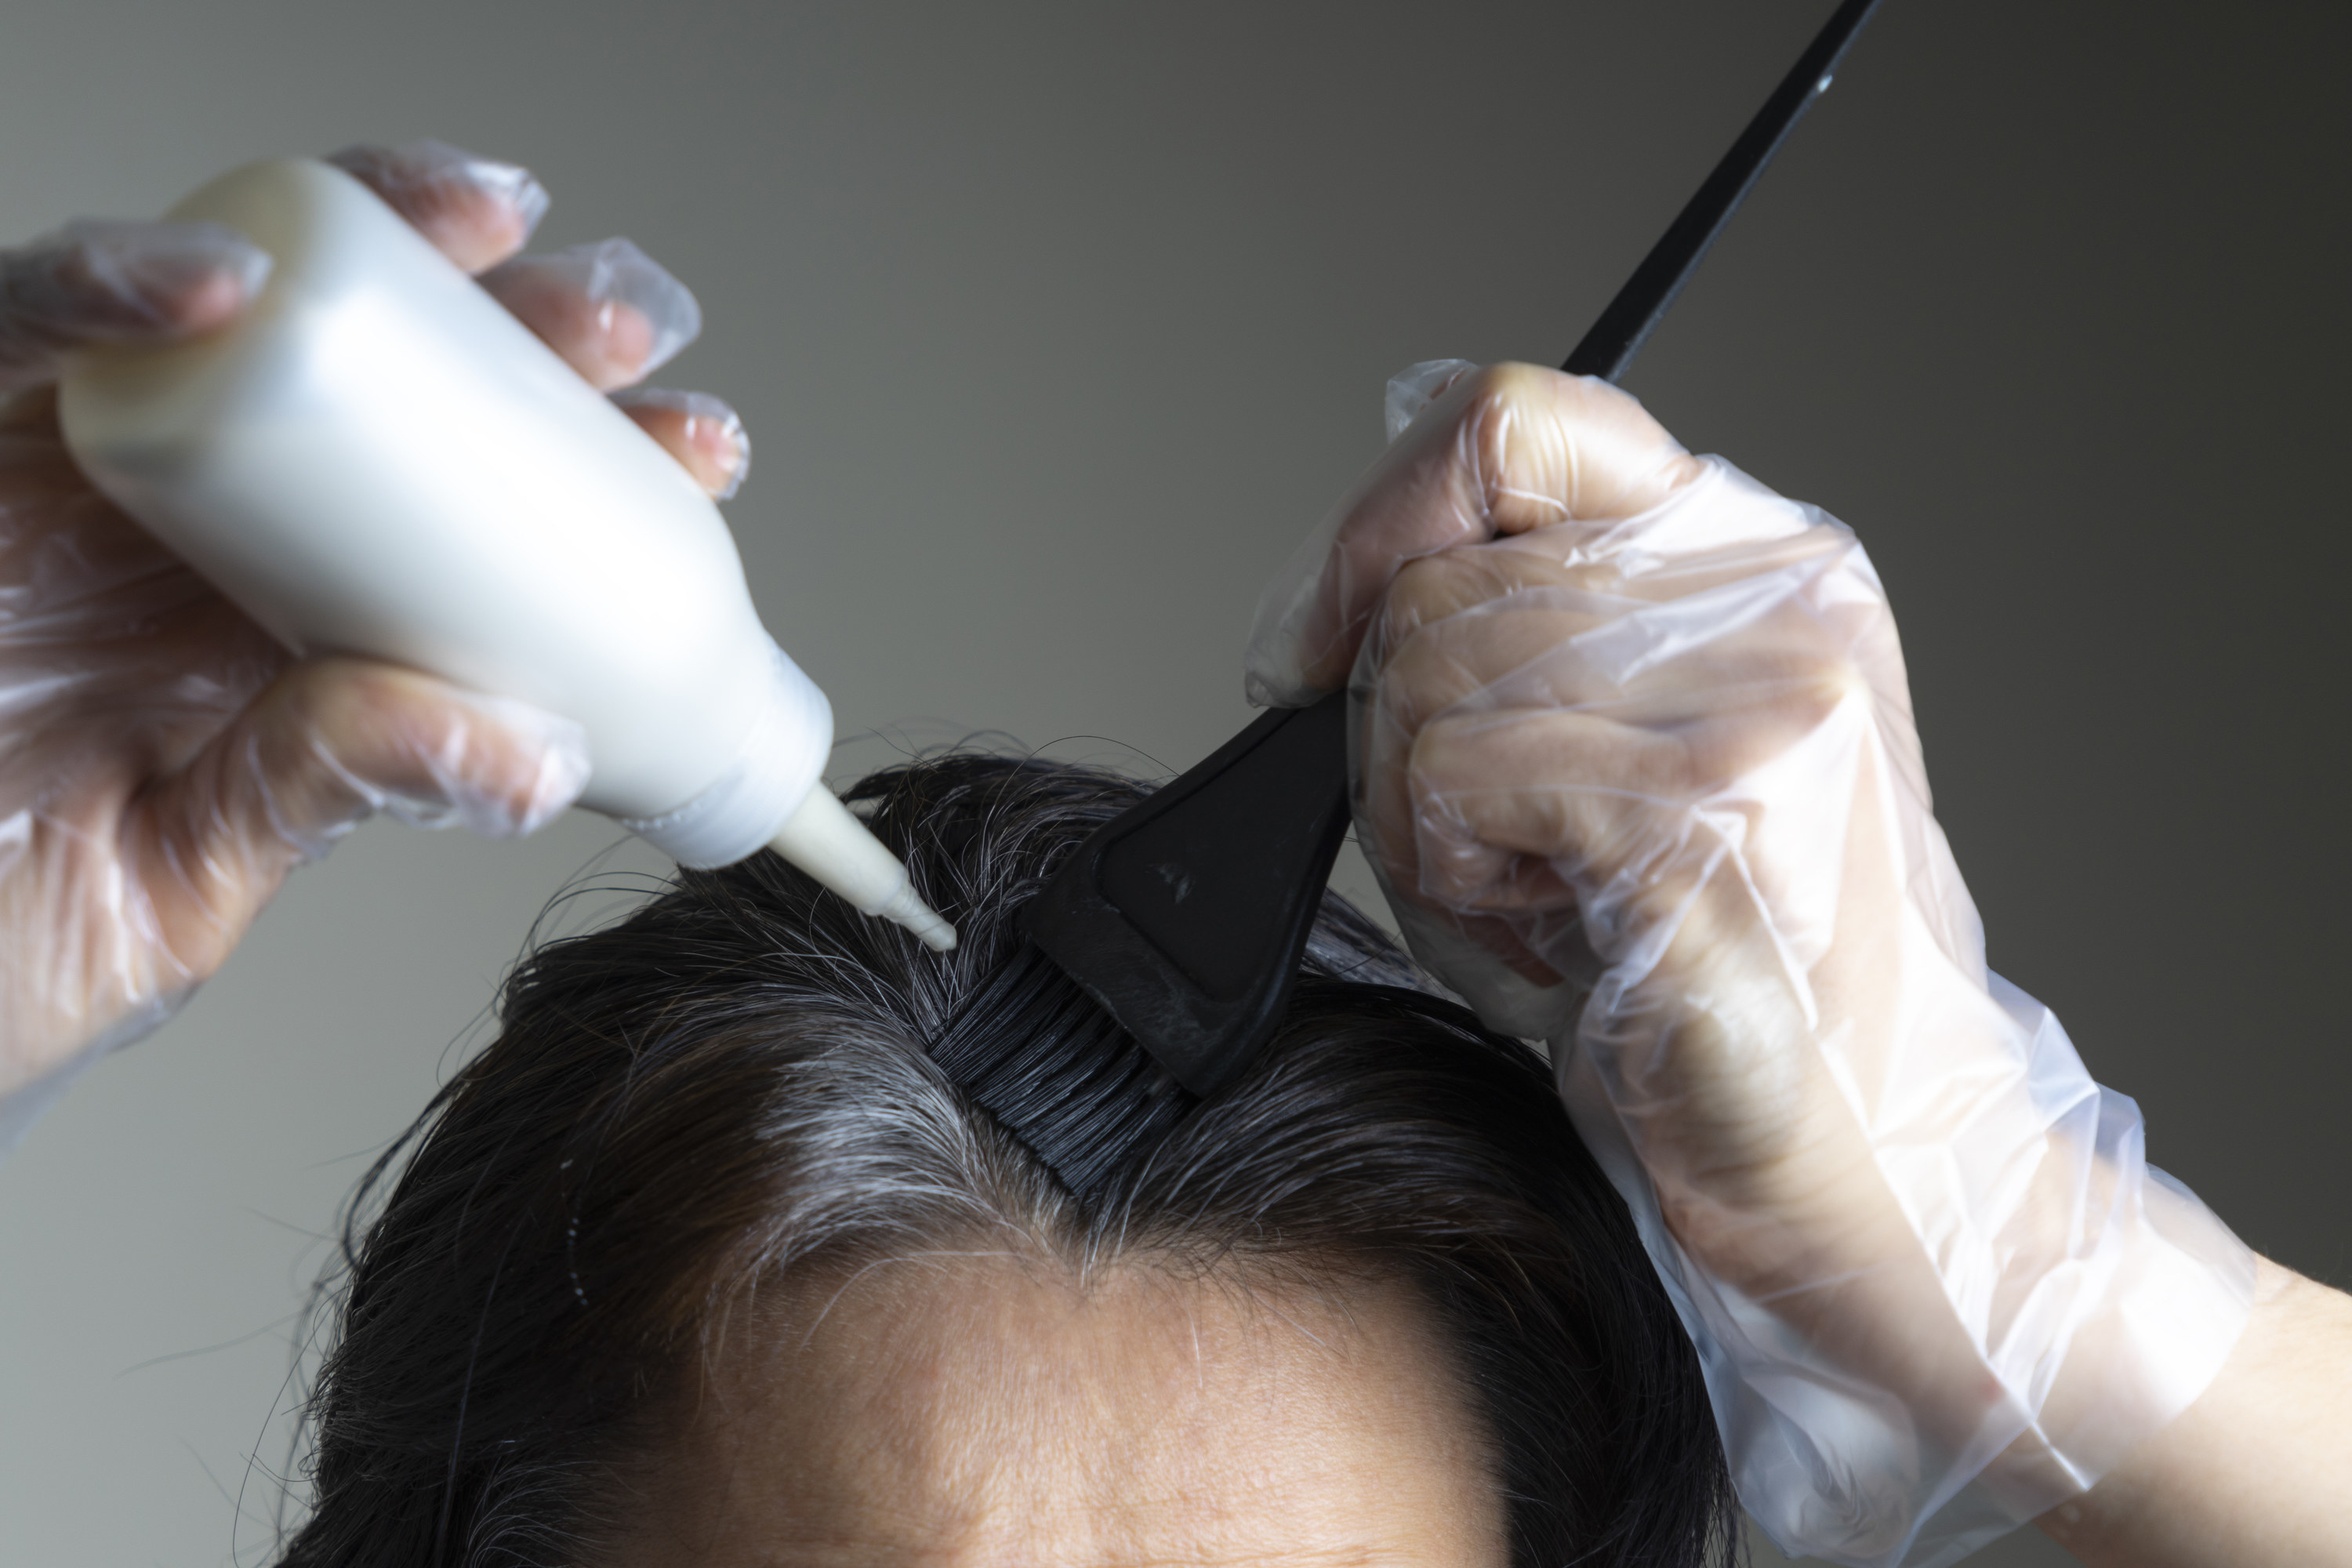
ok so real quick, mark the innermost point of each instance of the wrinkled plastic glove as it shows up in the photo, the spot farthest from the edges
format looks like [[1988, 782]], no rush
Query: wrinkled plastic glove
[[1634, 760], [163, 764]]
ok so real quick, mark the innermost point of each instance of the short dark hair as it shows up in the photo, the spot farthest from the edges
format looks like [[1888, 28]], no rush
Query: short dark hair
[[730, 1086]]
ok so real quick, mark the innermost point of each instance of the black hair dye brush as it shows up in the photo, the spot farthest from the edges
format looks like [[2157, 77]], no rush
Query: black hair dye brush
[[1161, 954]]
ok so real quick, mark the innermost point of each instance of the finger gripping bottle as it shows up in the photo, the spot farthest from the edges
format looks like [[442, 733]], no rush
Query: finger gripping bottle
[[378, 459]]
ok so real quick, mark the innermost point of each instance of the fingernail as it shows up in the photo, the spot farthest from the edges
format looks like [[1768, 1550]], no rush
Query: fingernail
[[616, 272], [705, 416], [427, 163], [563, 769], [1415, 387], [163, 259], [562, 773], [510, 183]]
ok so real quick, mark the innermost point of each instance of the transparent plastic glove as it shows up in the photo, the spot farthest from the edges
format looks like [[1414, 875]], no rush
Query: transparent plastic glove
[[163, 762], [1636, 765]]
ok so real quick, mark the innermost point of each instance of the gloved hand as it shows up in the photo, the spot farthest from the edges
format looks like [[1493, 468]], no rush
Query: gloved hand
[[163, 762], [1636, 764]]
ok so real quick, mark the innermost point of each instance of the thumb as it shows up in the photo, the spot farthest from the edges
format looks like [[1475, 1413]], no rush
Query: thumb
[[328, 743], [336, 740], [1498, 451]]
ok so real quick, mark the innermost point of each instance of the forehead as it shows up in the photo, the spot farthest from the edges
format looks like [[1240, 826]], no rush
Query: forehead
[[987, 1409]]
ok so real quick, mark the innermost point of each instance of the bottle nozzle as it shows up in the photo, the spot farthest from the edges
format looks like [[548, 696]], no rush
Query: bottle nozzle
[[824, 838], [928, 924]]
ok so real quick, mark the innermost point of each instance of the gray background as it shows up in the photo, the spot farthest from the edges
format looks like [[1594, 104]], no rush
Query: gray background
[[1057, 326]]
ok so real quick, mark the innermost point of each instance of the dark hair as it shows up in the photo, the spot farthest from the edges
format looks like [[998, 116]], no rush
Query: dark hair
[[730, 1086]]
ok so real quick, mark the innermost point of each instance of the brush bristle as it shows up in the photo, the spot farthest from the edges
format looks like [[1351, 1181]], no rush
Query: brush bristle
[[1058, 1072]]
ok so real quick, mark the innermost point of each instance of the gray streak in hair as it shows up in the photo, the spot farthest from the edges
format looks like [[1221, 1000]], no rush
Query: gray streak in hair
[[727, 1092]]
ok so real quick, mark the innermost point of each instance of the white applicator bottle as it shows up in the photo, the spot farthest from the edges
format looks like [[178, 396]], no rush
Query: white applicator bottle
[[378, 459]]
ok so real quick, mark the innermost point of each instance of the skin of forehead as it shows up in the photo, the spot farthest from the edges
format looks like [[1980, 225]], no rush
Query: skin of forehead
[[955, 1411]]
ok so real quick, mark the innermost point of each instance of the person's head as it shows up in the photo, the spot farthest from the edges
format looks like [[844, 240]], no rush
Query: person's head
[[703, 1260]]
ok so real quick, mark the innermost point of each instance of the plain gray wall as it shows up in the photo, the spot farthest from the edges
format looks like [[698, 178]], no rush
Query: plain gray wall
[[1057, 326]]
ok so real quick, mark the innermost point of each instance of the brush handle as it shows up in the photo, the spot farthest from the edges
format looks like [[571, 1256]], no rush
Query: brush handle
[[1184, 916], [1610, 346]]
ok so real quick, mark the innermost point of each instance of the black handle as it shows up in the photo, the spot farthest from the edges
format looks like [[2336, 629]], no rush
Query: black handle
[[1184, 916], [1636, 310]]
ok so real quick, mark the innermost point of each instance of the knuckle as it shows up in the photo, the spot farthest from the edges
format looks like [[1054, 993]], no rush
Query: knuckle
[[1830, 683], [1452, 582], [1425, 589], [1413, 682], [1509, 386]]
